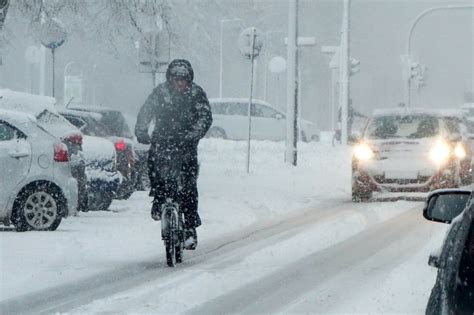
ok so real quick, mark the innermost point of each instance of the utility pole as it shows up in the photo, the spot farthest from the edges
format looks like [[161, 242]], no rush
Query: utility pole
[[344, 71], [292, 88]]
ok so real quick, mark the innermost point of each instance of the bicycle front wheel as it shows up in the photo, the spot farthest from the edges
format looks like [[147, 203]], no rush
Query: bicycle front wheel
[[172, 240]]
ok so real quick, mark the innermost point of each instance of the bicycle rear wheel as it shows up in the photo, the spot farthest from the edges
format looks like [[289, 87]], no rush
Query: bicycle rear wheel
[[180, 247]]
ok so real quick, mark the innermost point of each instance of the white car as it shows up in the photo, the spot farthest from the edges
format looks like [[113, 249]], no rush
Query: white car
[[408, 150], [230, 121], [37, 189]]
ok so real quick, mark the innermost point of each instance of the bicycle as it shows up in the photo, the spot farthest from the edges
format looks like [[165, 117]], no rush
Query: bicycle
[[172, 232], [172, 218]]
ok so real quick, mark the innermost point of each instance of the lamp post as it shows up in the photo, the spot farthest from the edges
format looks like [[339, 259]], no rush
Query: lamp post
[[408, 44], [221, 60]]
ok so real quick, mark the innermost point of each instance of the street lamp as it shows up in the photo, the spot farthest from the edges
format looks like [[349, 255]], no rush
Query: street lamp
[[408, 44], [221, 61]]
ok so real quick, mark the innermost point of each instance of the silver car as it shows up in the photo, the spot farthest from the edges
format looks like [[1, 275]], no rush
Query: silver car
[[230, 121], [37, 189]]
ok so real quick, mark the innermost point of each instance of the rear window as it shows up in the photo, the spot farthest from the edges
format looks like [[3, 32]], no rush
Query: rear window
[[411, 126], [55, 125], [115, 124]]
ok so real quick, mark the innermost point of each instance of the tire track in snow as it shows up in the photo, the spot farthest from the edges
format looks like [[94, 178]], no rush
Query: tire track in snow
[[69, 296]]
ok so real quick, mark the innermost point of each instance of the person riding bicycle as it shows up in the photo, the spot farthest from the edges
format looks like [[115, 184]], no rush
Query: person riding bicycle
[[182, 116]]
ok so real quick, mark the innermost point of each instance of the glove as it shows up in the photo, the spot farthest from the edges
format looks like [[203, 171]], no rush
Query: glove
[[143, 138]]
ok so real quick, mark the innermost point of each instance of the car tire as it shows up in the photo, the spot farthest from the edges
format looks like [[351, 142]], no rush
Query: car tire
[[38, 208], [216, 132], [315, 138], [99, 201], [361, 196]]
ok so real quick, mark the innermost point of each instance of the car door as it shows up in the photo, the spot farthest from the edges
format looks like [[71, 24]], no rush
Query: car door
[[267, 123], [15, 160]]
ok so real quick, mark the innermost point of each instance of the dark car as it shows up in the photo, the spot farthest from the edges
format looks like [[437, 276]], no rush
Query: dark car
[[115, 128], [453, 292]]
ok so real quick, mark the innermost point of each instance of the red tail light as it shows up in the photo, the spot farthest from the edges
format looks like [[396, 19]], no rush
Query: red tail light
[[60, 152], [76, 138], [120, 145]]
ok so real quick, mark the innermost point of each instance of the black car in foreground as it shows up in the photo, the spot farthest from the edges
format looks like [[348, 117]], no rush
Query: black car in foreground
[[116, 129], [453, 292]]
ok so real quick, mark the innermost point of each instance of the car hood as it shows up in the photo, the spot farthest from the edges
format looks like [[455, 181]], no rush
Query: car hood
[[402, 148]]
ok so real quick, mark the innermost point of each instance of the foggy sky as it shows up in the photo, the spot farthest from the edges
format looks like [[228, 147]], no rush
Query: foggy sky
[[443, 41]]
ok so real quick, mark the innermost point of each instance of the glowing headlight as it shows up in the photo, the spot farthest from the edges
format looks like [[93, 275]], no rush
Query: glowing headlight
[[440, 152], [363, 152], [459, 151]]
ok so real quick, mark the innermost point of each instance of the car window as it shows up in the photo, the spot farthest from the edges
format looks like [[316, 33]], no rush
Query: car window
[[116, 124], [78, 122], [54, 124], [452, 124], [219, 108], [238, 109], [411, 126], [7, 132], [267, 112]]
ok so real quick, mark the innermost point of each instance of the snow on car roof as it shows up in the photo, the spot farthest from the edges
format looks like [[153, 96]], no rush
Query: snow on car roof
[[29, 103], [467, 105], [16, 117], [80, 113], [238, 100], [417, 111], [96, 109]]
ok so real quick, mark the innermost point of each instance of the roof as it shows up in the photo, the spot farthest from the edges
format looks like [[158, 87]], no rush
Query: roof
[[467, 105], [238, 100], [25, 102], [80, 113], [16, 117], [417, 111], [95, 109]]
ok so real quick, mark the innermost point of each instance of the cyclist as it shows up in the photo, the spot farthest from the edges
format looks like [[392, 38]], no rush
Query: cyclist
[[182, 116]]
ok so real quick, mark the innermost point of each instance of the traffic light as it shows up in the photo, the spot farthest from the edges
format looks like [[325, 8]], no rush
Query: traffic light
[[354, 66]]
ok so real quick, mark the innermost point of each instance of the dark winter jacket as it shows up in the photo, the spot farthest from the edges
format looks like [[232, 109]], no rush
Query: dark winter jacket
[[180, 118]]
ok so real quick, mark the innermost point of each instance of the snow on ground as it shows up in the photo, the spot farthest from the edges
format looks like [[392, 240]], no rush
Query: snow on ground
[[230, 201]]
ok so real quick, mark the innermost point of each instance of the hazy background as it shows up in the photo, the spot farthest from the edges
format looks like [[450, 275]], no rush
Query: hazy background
[[106, 54]]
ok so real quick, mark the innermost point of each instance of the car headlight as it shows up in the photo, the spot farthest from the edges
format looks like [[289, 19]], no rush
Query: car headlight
[[459, 151], [440, 152], [363, 152]]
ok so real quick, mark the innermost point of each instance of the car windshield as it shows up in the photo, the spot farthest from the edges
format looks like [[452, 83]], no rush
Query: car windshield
[[55, 124], [115, 124], [411, 126]]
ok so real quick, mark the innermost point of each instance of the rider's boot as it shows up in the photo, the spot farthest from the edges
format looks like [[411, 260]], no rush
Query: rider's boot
[[156, 211], [191, 240]]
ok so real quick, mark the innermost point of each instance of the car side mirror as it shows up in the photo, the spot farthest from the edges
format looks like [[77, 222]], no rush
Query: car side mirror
[[433, 260], [444, 205]]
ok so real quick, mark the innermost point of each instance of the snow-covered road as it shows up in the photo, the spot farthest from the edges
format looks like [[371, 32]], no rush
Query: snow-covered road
[[278, 240]]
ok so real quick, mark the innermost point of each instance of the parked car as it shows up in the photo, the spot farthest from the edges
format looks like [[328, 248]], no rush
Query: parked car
[[453, 292], [103, 179], [37, 187], [43, 109], [230, 121], [117, 130], [405, 150]]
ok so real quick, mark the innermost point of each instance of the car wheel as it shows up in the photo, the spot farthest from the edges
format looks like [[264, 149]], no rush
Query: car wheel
[[99, 201], [315, 138], [216, 132], [361, 196], [38, 208]]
